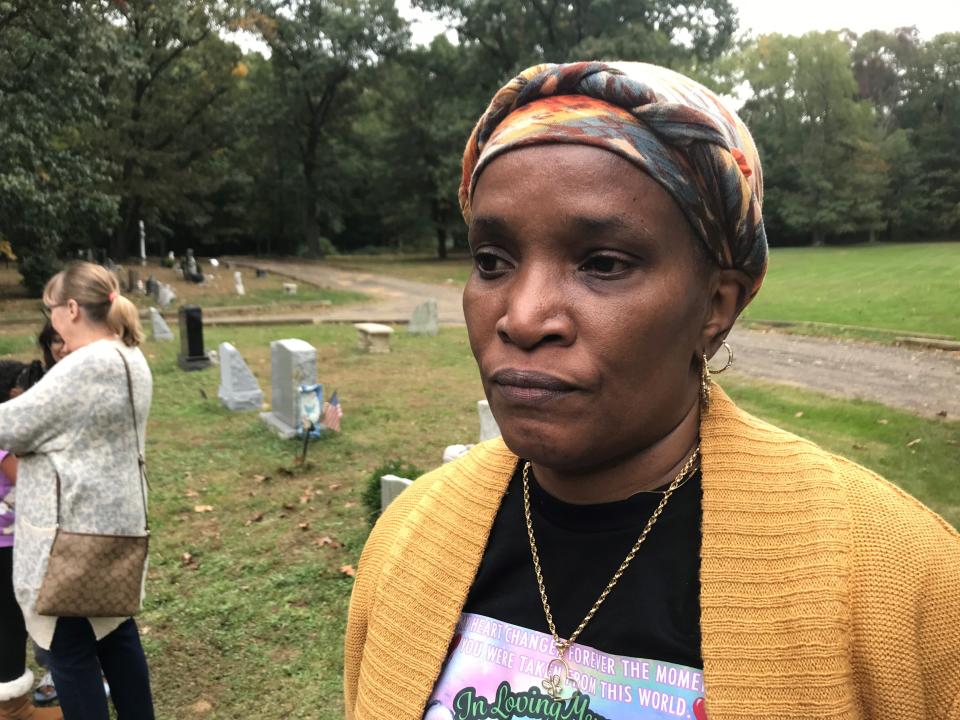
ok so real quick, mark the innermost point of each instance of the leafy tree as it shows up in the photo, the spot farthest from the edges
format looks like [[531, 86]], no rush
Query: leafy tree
[[823, 166], [320, 50], [53, 183], [517, 33], [167, 124]]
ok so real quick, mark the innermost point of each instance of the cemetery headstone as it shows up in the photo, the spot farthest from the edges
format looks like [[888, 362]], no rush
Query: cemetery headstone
[[488, 424], [239, 389], [238, 283], [293, 363], [192, 355], [133, 279], [153, 288], [289, 288], [165, 295], [161, 331], [373, 337], [260, 273], [390, 487], [190, 263], [425, 319]]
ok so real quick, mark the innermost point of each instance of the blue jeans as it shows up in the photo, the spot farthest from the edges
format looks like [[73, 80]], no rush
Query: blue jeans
[[76, 658]]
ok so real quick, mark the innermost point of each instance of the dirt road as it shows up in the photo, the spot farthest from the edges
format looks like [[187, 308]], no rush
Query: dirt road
[[926, 382]]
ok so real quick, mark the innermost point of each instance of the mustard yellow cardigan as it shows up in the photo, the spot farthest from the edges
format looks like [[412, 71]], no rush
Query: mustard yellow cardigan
[[826, 592]]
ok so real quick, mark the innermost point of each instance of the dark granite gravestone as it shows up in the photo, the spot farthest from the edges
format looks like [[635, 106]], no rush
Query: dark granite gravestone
[[153, 288], [133, 279], [261, 273], [192, 355]]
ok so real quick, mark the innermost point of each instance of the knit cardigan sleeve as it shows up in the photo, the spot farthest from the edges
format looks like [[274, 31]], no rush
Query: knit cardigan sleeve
[[906, 603], [371, 568]]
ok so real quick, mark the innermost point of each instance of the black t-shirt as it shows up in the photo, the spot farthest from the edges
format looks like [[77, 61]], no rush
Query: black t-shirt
[[653, 612]]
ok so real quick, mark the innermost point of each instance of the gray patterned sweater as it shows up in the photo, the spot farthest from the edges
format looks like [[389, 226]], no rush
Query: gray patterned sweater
[[76, 422]]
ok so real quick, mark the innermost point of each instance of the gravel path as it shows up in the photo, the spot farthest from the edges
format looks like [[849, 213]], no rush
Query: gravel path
[[926, 382]]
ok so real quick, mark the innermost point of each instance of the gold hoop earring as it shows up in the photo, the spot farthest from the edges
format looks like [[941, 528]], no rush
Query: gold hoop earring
[[705, 383], [729, 362]]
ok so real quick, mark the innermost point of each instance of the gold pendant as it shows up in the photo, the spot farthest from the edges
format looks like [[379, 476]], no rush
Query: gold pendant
[[556, 677]]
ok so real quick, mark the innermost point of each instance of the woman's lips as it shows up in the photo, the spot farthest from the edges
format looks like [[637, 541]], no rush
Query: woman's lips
[[529, 386]]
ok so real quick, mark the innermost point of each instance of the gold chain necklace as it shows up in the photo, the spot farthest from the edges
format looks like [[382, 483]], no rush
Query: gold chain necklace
[[558, 669]]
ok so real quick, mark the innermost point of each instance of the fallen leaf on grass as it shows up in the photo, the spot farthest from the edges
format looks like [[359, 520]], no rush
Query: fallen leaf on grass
[[289, 506], [883, 421], [858, 446], [348, 570], [327, 541], [188, 561], [202, 508], [942, 413], [255, 519], [306, 497], [261, 478], [334, 486], [915, 441], [798, 414], [348, 505], [304, 526], [191, 494]]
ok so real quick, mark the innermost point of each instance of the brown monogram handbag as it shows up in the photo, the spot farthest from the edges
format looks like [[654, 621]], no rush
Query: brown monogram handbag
[[90, 575]]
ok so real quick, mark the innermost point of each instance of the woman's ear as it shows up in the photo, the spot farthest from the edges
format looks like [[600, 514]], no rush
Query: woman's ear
[[73, 309], [730, 295]]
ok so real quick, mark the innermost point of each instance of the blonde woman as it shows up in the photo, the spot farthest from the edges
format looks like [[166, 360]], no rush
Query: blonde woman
[[76, 424]]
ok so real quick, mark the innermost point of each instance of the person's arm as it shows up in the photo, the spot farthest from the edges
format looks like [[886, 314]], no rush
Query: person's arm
[[45, 413], [8, 465]]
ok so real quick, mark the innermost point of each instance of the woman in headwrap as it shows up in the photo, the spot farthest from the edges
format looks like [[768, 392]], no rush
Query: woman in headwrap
[[635, 545]]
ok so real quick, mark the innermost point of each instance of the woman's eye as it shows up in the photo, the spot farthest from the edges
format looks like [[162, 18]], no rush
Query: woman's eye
[[489, 264], [605, 265]]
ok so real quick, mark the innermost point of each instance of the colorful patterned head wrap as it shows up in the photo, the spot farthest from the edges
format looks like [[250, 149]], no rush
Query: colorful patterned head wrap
[[671, 127]]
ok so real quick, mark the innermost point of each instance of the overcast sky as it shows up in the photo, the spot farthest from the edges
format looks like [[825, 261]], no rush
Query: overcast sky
[[795, 18]]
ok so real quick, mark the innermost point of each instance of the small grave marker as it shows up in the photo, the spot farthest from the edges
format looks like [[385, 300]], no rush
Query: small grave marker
[[239, 389], [373, 337]]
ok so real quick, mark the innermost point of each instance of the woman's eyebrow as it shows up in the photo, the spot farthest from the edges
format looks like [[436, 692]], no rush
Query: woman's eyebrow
[[490, 225], [609, 225]]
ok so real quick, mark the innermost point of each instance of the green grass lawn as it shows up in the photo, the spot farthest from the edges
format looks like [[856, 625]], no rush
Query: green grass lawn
[[904, 287], [246, 598]]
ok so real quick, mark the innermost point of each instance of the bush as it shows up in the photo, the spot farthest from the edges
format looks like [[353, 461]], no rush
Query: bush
[[371, 491], [38, 263]]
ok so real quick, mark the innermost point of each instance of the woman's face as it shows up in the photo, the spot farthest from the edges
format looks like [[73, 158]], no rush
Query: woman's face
[[58, 348], [586, 305]]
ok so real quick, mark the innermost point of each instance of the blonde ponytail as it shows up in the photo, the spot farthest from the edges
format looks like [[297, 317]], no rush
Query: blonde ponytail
[[96, 290], [124, 319]]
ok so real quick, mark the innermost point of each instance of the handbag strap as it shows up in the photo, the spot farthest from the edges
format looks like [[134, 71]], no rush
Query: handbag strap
[[141, 462], [140, 459]]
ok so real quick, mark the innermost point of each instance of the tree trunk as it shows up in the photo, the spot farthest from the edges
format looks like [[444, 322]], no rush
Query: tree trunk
[[441, 230]]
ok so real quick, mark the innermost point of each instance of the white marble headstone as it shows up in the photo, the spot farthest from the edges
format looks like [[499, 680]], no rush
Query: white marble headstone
[[488, 424], [390, 487], [293, 363], [165, 295], [238, 283], [161, 331], [239, 389]]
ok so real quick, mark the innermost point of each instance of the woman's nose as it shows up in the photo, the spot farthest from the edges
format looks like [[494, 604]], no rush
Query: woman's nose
[[536, 311]]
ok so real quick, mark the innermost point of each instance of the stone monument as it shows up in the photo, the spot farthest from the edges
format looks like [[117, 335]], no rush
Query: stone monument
[[239, 389], [161, 331], [165, 295], [488, 424], [373, 337], [192, 355], [390, 487], [238, 283], [293, 363], [425, 319]]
